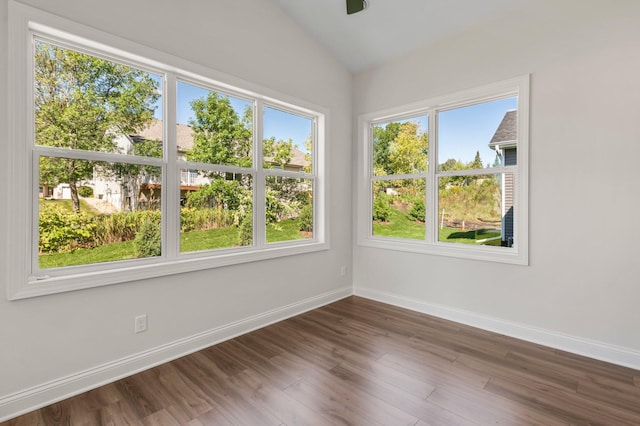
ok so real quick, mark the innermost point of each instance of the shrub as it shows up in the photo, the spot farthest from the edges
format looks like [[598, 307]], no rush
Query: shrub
[[417, 211], [381, 207], [61, 230], [147, 241], [306, 218], [85, 191], [275, 209], [246, 229]]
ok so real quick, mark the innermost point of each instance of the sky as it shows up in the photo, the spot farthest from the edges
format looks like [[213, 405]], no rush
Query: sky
[[464, 131]]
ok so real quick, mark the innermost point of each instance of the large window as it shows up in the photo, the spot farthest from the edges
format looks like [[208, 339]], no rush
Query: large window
[[128, 167], [448, 176]]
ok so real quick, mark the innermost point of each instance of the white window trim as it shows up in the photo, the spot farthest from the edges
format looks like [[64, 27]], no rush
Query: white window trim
[[519, 253], [21, 282]]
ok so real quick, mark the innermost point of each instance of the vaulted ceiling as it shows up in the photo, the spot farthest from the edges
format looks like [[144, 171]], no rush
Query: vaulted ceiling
[[388, 28]]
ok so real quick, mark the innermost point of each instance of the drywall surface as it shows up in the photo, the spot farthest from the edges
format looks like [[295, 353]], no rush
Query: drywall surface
[[46, 338], [582, 279]]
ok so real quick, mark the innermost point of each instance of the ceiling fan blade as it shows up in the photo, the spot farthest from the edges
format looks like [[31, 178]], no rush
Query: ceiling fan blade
[[354, 6]]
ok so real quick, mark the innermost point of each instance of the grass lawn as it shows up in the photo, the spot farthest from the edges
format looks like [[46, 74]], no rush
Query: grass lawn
[[401, 226], [286, 230], [83, 256]]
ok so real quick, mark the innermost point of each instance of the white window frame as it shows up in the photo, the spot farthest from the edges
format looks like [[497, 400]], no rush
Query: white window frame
[[23, 276], [519, 252]]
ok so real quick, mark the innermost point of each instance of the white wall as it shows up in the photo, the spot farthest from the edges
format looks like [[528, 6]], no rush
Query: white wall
[[582, 287], [63, 336]]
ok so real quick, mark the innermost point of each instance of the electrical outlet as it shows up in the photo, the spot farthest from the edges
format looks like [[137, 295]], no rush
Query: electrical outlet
[[140, 323]]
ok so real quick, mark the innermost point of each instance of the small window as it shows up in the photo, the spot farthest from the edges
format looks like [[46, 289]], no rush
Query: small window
[[449, 178]]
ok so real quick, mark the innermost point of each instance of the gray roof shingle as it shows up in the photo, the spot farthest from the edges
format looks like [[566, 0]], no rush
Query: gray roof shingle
[[507, 131]]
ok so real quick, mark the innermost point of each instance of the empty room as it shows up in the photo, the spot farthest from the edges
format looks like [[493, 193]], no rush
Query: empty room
[[282, 212]]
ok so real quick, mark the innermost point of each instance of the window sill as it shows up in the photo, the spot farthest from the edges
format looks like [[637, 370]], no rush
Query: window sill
[[463, 251], [134, 271]]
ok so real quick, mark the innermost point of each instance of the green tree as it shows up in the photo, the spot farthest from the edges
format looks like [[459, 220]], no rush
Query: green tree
[[83, 103], [277, 152], [477, 162], [383, 137], [408, 151], [219, 135]]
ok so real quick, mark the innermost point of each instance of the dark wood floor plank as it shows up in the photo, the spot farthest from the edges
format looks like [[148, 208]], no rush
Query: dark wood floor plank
[[161, 418], [360, 362], [211, 417], [487, 408], [256, 388], [215, 388], [509, 368], [418, 407], [257, 362], [564, 405], [433, 372], [168, 382], [611, 392]]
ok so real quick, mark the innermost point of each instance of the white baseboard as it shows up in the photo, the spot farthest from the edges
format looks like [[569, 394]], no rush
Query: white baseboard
[[56, 390], [589, 348]]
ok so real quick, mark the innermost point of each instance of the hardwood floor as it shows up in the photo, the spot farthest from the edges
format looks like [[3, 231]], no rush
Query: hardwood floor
[[361, 362]]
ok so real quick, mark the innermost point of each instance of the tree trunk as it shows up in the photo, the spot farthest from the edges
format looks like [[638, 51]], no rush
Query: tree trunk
[[74, 197]]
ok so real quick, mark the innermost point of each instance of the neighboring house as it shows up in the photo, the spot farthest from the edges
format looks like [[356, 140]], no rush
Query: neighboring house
[[505, 143], [148, 189]]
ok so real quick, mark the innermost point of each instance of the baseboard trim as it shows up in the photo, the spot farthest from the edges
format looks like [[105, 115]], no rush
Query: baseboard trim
[[577, 345], [39, 396]]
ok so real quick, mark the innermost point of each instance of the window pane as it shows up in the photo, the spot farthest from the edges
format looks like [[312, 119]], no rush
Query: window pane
[[216, 210], [400, 147], [288, 141], [476, 209], [213, 127], [92, 212], [475, 137], [289, 210], [86, 103], [399, 208]]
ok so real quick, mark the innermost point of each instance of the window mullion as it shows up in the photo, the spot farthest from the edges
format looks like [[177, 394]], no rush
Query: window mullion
[[259, 176], [431, 196], [171, 173]]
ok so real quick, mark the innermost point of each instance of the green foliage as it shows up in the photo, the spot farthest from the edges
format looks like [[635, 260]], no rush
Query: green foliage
[[408, 151], [148, 240], [219, 135], [189, 241], [381, 207], [85, 191], [275, 209], [418, 211], [306, 218], [382, 139], [245, 237], [79, 100], [219, 193], [122, 226], [398, 225], [479, 200], [192, 219], [60, 230], [477, 162], [279, 153]]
